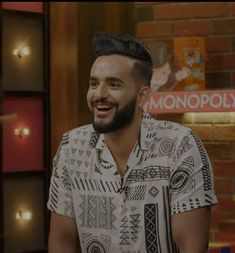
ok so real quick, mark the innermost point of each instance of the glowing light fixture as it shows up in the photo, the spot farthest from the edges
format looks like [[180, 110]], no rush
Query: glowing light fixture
[[23, 215], [22, 52], [22, 132]]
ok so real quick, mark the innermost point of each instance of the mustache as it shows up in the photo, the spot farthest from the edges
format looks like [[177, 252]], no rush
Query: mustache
[[103, 102]]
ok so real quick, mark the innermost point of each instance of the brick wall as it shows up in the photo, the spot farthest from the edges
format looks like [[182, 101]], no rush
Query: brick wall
[[217, 131], [161, 21], [215, 21]]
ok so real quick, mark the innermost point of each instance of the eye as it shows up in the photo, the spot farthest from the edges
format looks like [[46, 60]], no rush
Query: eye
[[93, 84], [115, 85]]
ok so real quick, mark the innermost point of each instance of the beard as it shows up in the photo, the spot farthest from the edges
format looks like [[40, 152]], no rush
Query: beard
[[121, 119]]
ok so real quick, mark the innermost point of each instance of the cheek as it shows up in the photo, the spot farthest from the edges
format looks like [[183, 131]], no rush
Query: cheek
[[89, 98]]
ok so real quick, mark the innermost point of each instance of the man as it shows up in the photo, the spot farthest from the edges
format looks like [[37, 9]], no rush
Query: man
[[128, 183]]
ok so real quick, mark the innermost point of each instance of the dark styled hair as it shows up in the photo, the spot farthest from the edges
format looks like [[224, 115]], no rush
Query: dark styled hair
[[126, 45]]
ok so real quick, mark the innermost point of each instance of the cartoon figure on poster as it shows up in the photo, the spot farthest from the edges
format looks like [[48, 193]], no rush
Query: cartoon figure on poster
[[185, 72]]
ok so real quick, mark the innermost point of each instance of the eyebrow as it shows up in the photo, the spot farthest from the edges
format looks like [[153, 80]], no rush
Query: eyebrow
[[110, 79]]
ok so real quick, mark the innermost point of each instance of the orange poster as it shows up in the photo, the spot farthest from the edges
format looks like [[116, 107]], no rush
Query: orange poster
[[189, 56]]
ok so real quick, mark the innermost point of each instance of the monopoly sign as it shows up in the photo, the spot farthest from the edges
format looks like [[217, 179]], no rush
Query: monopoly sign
[[196, 101]]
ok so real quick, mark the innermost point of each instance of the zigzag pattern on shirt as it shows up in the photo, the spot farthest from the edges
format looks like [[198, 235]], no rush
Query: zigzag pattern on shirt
[[94, 138], [135, 220], [151, 229], [97, 212], [66, 180], [136, 192], [206, 167], [129, 229]]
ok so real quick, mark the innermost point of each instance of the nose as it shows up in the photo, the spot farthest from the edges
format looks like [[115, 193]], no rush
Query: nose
[[101, 91]]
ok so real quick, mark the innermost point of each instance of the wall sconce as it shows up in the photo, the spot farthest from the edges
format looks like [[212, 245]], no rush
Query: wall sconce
[[22, 132], [23, 215], [22, 52]]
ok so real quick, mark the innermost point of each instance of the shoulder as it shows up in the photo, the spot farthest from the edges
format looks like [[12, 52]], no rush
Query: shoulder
[[166, 128], [80, 134]]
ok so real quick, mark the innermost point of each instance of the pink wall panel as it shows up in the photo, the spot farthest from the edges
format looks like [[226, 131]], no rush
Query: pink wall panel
[[24, 6], [23, 154]]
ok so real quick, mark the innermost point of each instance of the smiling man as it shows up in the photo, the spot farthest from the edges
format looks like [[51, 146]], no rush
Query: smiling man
[[128, 182]]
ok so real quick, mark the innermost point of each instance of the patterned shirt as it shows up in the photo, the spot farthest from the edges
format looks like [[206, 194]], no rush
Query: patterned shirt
[[168, 172]]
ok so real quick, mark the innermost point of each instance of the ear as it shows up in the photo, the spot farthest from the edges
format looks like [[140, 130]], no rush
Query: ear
[[144, 94]]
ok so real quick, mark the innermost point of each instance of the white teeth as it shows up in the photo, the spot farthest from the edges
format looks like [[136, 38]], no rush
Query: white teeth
[[103, 107]]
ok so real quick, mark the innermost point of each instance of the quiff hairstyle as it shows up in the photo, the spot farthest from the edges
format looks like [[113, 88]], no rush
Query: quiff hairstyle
[[126, 45]]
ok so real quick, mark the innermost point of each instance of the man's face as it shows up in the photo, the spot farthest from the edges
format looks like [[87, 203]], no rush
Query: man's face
[[112, 95]]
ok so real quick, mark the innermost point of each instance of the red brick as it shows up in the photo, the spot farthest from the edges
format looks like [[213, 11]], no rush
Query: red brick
[[218, 80], [217, 217], [233, 79], [220, 150], [224, 132], [225, 204], [223, 26], [233, 9], [211, 236], [218, 44], [201, 27], [224, 169], [211, 10], [143, 14], [223, 186], [224, 237], [203, 130], [153, 29], [172, 11], [221, 62], [227, 225]]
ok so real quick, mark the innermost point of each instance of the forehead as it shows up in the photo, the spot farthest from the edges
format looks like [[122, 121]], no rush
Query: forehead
[[112, 65]]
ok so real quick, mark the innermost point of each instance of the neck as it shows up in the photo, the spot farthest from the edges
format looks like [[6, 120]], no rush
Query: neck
[[121, 142]]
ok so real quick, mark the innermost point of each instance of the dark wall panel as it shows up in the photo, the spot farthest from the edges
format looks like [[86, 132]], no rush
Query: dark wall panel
[[22, 73], [19, 153], [24, 6], [25, 194]]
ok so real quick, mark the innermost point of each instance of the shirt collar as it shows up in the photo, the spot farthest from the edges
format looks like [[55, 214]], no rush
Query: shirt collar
[[148, 131], [147, 135]]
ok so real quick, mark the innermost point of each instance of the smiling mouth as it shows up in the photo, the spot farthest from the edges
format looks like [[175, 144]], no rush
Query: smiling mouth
[[103, 109]]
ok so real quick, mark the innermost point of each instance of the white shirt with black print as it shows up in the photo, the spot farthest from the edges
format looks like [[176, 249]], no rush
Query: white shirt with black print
[[168, 172]]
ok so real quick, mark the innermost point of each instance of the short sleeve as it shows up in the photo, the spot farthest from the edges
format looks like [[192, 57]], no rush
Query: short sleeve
[[60, 191], [191, 182]]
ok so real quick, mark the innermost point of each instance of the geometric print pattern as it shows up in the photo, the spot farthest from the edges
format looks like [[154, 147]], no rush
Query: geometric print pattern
[[54, 195], [183, 147], [95, 185], [182, 178], [179, 207], [151, 173], [97, 212], [129, 229], [86, 188], [153, 191], [167, 147], [151, 229], [93, 244], [206, 168], [171, 245], [136, 192]]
